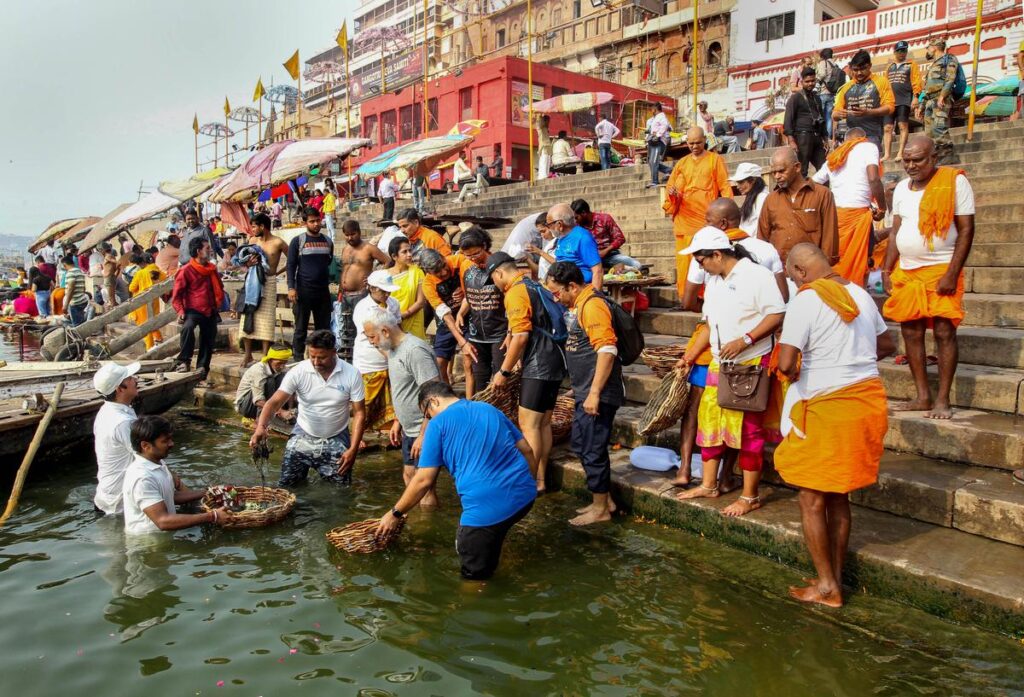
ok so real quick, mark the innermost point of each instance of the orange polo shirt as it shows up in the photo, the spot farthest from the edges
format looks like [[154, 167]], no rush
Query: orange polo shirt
[[595, 318], [518, 309], [432, 240], [458, 265]]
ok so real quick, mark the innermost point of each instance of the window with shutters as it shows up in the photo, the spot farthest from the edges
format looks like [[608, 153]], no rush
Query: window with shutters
[[775, 27]]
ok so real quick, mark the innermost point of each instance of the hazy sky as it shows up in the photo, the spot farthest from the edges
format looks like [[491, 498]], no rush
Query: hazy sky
[[99, 94]]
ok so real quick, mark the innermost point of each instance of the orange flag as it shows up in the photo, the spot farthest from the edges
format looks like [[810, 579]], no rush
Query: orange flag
[[292, 65]]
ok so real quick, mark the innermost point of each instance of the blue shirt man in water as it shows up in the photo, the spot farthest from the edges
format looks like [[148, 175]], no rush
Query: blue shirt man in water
[[494, 471], [575, 244]]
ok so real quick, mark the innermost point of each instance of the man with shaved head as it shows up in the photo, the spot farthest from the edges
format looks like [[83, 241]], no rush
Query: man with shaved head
[[834, 417], [852, 171], [697, 180], [932, 233], [798, 210], [575, 244]]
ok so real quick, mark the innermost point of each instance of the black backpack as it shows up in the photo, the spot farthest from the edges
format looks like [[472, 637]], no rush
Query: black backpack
[[834, 78], [629, 339]]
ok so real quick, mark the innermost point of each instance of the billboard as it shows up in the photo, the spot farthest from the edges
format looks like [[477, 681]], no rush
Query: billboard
[[402, 71], [521, 102]]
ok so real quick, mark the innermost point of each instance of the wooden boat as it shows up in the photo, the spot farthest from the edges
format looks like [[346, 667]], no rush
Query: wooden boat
[[158, 392]]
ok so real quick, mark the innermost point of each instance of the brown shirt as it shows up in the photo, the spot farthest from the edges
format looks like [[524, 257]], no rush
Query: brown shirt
[[807, 216]]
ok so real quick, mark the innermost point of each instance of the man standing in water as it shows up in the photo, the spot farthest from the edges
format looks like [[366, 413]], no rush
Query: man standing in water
[[493, 468], [265, 319], [832, 338], [309, 262], [357, 259], [330, 392], [112, 432]]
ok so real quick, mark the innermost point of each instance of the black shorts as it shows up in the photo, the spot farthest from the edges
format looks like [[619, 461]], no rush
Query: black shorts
[[407, 458], [900, 115], [445, 345], [538, 395], [479, 548]]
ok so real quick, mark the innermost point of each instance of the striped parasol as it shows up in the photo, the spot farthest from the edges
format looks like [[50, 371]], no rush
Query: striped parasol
[[566, 103]]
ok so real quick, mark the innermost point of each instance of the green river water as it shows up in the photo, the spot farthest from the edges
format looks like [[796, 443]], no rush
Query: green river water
[[627, 608]]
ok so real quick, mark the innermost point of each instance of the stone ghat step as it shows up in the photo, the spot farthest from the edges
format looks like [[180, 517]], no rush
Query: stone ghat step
[[947, 572], [988, 131], [978, 500], [977, 387]]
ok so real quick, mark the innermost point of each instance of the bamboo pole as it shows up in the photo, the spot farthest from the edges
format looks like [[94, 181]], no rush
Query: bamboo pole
[[426, 56], [529, 78], [132, 336], [298, 109], [259, 130], [974, 76], [227, 146], [30, 454], [695, 59], [195, 141], [348, 118]]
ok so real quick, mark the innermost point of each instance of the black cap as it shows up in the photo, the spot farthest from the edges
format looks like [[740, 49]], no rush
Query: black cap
[[497, 259], [902, 46]]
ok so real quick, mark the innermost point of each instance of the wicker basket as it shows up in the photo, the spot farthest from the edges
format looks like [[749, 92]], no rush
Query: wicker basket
[[361, 537], [668, 403], [280, 503], [505, 398], [662, 359], [561, 418]]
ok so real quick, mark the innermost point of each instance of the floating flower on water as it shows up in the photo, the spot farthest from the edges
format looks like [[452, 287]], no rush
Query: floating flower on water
[[220, 683], [293, 651]]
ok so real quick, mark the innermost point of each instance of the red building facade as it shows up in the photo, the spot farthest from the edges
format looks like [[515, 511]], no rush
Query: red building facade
[[497, 91]]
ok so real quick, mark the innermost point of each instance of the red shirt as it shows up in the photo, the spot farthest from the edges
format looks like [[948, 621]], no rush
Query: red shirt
[[193, 291], [606, 231]]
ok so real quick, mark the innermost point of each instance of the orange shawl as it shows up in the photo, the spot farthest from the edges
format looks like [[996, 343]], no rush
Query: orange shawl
[[735, 234], [211, 271], [938, 205], [837, 158], [836, 296]]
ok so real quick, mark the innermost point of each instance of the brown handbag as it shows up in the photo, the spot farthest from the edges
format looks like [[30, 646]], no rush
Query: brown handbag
[[743, 387]]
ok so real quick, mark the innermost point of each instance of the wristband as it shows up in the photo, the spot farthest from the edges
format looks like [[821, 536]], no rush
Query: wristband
[[397, 513]]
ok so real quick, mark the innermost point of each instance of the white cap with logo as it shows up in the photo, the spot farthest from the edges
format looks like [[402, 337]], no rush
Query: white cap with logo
[[382, 279], [111, 374], [708, 238]]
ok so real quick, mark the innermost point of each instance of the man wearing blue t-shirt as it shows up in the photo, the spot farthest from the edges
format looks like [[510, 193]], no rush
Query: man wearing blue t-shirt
[[575, 244], [494, 471]]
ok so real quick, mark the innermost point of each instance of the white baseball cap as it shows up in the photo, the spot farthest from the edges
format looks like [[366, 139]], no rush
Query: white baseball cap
[[108, 377], [745, 170], [708, 238], [382, 279]]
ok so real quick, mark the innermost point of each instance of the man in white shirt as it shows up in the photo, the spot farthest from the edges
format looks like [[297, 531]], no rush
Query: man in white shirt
[[330, 392], [94, 284], [851, 171], [112, 432], [151, 493], [928, 285], [605, 130], [835, 415], [371, 363], [561, 150], [658, 129], [388, 190]]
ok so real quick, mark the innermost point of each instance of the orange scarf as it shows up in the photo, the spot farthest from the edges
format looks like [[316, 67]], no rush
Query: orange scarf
[[836, 296], [837, 158], [938, 205], [735, 234], [210, 270]]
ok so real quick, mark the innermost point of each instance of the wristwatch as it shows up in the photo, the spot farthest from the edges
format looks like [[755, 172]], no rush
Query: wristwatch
[[506, 373], [748, 340], [397, 513]]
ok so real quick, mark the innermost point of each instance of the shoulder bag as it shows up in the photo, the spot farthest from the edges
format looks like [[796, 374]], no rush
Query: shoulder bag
[[742, 387]]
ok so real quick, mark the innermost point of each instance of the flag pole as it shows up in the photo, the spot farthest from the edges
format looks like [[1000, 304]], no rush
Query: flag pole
[[298, 113], [227, 130], [974, 76], [348, 110], [195, 140], [259, 128], [529, 77], [426, 69], [695, 59]]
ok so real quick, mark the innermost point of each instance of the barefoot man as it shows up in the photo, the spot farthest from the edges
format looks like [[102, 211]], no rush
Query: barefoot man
[[832, 338], [357, 259], [933, 228], [697, 180], [265, 318], [595, 372]]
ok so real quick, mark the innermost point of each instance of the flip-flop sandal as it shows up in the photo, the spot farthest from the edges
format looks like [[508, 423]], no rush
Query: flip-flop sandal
[[1018, 476], [901, 359]]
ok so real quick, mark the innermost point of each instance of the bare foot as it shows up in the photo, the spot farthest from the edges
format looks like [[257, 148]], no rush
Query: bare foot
[[913, 405], [681, 480], [941, 410], [611, 507], [741, 507], [699, 492], [598, 515], [542, 488], [812, 594]]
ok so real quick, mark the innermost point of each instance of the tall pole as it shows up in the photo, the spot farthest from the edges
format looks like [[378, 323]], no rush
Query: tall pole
[[974, 76], [529, 77], [383, 79], [259, 131], [195, 139], [298, 112], [348, 117], [695, 59], [426, 55], [227, 147]]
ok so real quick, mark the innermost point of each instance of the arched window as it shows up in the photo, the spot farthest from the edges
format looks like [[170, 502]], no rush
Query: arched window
[[714, 56], [675, 65]]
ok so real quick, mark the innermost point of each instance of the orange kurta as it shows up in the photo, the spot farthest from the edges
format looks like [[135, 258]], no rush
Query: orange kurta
[[855, 226], [144, 279], [699, 182], [914, 296], [820, 452]]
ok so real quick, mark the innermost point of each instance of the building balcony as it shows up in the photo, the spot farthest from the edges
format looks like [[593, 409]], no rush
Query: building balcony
[[877, 23]]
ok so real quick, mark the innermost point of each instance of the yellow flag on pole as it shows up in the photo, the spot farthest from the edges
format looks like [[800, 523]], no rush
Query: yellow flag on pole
[[195, 124], [343, 39], [292, 65], [227, 106], [259, 92]]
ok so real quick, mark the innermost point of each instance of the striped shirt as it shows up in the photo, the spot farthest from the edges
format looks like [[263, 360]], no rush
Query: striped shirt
[[74, 286]]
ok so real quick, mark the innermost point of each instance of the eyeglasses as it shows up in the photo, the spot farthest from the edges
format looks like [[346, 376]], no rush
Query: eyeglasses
[[699, 260]]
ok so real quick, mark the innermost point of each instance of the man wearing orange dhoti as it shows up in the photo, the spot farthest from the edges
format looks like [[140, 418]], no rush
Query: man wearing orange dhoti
[[696, 181], [851, 171], [832, 338], [932, 232]]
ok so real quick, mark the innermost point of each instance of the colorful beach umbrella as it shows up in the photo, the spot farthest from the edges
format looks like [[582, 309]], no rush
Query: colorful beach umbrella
[[566, 103], [995, 106], [169, 194], [52, 231], [1003, 87], [472, 127], [420, 156]]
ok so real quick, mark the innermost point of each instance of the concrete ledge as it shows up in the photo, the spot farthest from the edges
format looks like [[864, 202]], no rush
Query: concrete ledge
[[942, 571]]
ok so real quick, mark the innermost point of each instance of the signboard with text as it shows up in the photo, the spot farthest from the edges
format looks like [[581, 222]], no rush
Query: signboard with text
[[966, 9], [397, 73]]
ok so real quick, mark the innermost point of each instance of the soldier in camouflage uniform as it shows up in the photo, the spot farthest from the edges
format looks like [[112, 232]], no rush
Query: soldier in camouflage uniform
[[935, 100]]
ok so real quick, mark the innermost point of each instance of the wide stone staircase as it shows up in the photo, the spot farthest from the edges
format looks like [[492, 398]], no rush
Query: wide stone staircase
[[946, 517]]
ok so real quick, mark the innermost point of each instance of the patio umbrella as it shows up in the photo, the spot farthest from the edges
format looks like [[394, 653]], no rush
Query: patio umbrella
[[775, 120], [52, 231], [99, 232], [471, 127], [73, 235], [379, 164], [423, 155], [169, 194], [279, 162], [1003, 87], [565, 103], [995, 106]]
